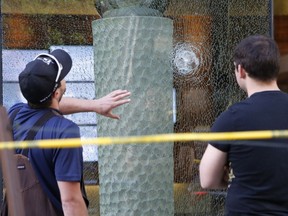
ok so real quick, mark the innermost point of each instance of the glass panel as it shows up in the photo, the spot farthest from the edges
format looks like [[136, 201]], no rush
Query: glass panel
[[204, 35]]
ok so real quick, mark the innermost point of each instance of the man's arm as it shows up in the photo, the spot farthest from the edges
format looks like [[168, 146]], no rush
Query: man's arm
[[73, 203], [213, 169], [102, 106]]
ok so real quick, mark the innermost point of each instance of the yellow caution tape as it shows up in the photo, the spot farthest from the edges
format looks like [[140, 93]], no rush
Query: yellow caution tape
[[160, 138]]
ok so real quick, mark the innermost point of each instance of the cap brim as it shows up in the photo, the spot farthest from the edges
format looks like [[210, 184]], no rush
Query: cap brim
[[65, 60]]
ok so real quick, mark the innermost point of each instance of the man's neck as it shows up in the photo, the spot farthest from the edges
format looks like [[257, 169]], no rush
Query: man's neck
[[254, 86], [55, 104]]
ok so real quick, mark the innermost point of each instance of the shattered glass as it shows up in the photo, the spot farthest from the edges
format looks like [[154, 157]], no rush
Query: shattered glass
[[204, 35]]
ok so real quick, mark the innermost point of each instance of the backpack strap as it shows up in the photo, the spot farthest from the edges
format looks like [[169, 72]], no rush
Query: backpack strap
[[39, 123], [13, 115], [33, 131]]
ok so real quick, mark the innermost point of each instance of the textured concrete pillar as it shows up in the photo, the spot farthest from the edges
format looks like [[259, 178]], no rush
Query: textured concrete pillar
[[133, 52]]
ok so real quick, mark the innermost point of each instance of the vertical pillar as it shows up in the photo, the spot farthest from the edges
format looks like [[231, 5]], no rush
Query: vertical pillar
[[133, 52]]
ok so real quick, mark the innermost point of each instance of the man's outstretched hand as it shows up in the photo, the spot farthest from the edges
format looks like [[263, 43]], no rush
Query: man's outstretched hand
[[106, 104], [103, 106]]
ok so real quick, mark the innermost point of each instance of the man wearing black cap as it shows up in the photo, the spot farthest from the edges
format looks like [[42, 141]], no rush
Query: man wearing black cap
[[59, 170]]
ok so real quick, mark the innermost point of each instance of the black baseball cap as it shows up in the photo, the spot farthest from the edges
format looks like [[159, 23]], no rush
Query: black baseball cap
[[41, 77]]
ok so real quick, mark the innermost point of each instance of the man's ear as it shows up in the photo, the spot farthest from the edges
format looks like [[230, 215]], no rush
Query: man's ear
[[242, 71], [56, 93]]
